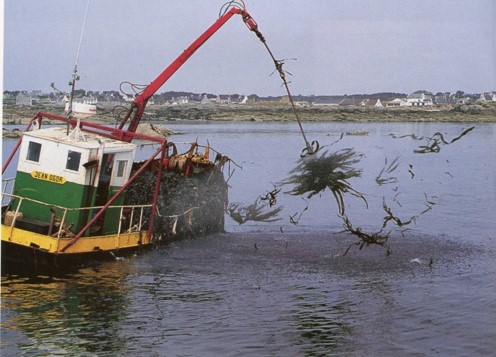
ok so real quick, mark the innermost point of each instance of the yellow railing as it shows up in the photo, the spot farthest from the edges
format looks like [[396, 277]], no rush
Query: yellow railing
[[62, 227]]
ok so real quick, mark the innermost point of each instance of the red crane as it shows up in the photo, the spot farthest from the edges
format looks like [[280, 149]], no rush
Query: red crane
[[139, 103]]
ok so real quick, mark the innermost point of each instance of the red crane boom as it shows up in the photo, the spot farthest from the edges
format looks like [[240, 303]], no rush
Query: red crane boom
[[139, 103]]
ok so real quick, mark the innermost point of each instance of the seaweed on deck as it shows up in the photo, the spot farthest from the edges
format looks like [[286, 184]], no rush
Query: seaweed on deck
[[187, 206]]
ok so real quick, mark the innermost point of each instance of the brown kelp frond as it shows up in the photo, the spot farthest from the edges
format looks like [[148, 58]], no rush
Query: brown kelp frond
[[314, 174], [366, 239], [391, 217], [271, 197], [295, 218], [433, 144], [465, 132], [387, 169], [254, 212]]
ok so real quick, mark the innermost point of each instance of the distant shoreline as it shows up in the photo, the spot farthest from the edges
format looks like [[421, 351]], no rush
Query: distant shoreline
[[274, 112]]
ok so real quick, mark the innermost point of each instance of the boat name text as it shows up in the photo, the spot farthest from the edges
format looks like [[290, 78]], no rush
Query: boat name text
[[48, 177]]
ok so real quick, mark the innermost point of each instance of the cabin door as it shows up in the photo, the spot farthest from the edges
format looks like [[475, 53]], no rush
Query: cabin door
[[103, 188], [90, 181]]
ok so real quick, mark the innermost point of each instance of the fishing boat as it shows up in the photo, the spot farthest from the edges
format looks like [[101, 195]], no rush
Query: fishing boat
[[66, 204], [69, 204]]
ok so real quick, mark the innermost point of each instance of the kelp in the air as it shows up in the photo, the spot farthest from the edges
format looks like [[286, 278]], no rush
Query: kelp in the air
[[433, 143], [257, 211], [316, 173]]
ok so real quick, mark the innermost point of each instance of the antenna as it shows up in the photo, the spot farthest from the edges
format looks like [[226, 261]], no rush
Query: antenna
[[75, 76]]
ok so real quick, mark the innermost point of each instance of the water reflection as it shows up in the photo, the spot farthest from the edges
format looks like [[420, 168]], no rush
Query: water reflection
[[75, 315], [324, 325]]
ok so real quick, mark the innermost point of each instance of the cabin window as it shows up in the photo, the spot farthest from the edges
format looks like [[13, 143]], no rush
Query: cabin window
[[121, 168], [34, 150], [73, 160]]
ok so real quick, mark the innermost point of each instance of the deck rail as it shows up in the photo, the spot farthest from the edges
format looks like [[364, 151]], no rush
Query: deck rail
[[7, 188], [126, 213]]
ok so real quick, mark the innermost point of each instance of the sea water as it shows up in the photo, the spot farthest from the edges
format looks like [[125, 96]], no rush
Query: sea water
[[286, 287]]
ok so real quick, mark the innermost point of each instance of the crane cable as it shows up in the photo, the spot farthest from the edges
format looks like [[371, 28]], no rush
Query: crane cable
[[252, 25], [278, 63], [310, 149]]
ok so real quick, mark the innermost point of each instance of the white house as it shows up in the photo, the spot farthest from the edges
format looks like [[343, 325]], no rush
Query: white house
[[488, 97], [23, 99], [396, 103], [375, 103], [205, 100], [183, 99], [419, 100], [90, 100]]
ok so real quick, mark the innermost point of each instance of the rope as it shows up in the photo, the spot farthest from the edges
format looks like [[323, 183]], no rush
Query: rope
[[278, 64]]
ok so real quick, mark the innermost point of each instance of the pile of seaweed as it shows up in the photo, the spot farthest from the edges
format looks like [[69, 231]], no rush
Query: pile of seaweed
[[187, 205]]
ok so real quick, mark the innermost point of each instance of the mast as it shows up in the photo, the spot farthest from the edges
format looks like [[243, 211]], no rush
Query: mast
[[75, 76]]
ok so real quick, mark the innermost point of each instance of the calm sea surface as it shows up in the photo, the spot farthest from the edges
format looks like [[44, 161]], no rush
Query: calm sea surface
[[286, 288]]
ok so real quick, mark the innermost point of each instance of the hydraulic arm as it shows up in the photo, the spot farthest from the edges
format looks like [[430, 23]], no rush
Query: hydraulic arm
[[139, 103]]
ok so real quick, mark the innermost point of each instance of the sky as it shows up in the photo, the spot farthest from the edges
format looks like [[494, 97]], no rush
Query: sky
[[330, 47]]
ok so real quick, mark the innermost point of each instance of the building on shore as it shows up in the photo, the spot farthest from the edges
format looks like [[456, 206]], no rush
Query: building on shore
[[24, 99], [419, 99], [397, 103], [373, 103]]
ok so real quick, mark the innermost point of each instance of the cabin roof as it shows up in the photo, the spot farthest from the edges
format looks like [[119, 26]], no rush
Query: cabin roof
[[59, 134]]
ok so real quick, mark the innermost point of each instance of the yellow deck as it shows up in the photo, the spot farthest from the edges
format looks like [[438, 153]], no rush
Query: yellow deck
[[83, 245]]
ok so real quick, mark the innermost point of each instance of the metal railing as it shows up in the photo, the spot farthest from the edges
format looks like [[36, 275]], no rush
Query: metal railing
[[64, 228], [7, 188]]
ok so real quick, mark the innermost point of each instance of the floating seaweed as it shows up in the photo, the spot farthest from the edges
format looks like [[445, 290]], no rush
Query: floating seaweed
[[387, 169], [377, 238], [295, 218], [366, 239], [380, 238], [338, 140], [434, 143], [271, 197], [254, 212], [391, 217], [465, 132], [413, 136], [410, 171], [428, 203], [315, 174]]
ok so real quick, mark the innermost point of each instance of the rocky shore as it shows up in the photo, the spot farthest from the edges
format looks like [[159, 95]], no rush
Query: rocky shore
[[277, 112], [283, 112]]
